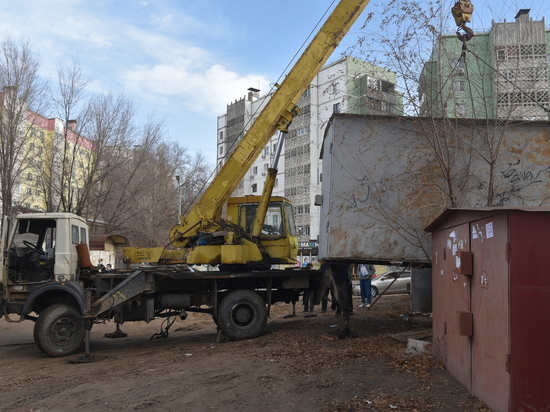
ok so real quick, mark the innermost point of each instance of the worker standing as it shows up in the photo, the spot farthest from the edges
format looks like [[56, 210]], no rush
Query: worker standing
[[365, 273]]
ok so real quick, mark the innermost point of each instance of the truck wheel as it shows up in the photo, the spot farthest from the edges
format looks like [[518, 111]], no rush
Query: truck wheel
[[59, 330], [242, 315]]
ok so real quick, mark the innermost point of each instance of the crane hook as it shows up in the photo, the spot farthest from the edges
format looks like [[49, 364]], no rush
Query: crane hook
[[462, 13]]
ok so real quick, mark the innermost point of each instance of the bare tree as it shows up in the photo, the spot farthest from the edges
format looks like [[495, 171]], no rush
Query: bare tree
[[22, 90], [139, 197], [94, 159], [468, 104], [443, 78], [70, 157]]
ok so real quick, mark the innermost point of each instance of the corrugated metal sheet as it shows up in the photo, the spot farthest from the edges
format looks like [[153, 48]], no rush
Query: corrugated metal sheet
[[383, 182]]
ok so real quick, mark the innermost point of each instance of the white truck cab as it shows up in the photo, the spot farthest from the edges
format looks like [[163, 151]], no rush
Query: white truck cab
[[40, 247]]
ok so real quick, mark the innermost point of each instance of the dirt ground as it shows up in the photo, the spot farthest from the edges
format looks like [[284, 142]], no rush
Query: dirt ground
[[295, 366]]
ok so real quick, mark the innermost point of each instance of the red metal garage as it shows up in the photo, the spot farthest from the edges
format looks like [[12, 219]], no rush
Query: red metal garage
[[491, 303]]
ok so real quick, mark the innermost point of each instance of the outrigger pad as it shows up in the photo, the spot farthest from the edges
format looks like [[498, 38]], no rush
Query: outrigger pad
[[344, 333], [88, 359], [116, 334]]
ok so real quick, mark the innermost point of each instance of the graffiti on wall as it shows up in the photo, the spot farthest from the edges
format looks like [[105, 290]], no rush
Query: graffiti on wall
[[370, 191], [517, 182]]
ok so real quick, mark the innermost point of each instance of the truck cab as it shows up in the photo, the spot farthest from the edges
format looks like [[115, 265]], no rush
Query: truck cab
[[39, 250]]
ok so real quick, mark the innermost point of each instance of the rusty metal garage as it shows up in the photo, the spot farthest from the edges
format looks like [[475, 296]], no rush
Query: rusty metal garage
[[491, 302]]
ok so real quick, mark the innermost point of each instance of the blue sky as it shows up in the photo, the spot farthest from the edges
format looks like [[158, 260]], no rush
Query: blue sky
[[183, 61]]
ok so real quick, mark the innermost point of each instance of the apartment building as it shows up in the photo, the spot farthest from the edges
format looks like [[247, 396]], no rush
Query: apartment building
[[347, 85], [503, 74], [48, 157]]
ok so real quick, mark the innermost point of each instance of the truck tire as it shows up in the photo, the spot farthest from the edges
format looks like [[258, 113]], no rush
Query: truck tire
[[59, 330], [242, 314]]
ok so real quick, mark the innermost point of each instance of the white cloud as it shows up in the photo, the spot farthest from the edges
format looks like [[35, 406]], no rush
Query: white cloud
[[145, 51], [202, 90], [91, 31], [187, 72]]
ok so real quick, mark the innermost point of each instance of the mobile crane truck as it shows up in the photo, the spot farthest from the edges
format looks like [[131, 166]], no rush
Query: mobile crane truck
[[46, 275]]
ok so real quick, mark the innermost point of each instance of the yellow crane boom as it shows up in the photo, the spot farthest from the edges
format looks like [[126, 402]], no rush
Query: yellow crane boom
[[277, 115]]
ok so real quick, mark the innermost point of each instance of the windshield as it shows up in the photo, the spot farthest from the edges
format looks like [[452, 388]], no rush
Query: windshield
[[38, 233], [273, 223]]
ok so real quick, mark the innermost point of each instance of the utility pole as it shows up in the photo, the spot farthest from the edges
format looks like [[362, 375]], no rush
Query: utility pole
[[179, 194]]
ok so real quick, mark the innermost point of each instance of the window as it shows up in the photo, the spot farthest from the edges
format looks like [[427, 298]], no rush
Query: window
[[501, 55], [220, 151], [255, 170], [74, 235], [336, 108], [82, 235], [302, 130], [266, 150], [254, 188], [387, 87], [459, 65], [460, 86], [375, 104], [266, 166], [460, 110], [273, 217], [29, 177], [276, 183], [29, 192], [31, 147], [335, 87], [221, 135], [307, 93], [306, 209], [374, 83]]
